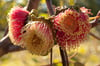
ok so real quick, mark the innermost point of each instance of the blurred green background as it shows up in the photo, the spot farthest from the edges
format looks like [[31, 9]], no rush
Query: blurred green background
[[88, 54]]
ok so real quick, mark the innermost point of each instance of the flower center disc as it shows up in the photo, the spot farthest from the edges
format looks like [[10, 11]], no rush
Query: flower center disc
[[36, 40]]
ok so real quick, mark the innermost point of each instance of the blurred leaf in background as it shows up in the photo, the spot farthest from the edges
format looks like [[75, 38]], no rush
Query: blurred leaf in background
[[4, 9]]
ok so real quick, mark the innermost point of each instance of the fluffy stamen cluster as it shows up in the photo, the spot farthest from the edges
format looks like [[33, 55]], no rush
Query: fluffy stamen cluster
[[17, 18], [72, 27], [37, 37]]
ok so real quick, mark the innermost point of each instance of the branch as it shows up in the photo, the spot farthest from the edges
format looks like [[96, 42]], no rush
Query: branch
[[98, 38], [96, 21], [32, 4], [5, 44], [49, 6], [64, 57]]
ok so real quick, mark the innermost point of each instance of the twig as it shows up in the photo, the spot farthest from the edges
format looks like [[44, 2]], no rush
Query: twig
[[6, 46], [98, 38], [32, 4], [98, 14], [72, 55], [64, 57], [51, 57], [6, 31], [50, 9], [96, 21]]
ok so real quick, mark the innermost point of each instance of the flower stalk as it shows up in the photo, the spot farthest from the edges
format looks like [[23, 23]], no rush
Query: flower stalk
[[64, 57], [62, 52], [49, 6]]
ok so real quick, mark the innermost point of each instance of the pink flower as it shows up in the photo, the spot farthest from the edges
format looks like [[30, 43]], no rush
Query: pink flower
[[17, 18], [72, 28]]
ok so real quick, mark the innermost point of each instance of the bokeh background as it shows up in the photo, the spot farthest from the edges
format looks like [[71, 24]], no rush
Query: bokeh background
[[88, 54]]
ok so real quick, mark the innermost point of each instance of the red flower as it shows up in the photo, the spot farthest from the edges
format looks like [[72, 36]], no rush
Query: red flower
[[72, 27], [17, 18]]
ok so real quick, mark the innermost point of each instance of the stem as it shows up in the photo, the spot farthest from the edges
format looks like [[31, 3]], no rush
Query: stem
[[62, 52], [6, 31], [32, 4], [6, 46], [64, 57], [96, 21], [50, 8], [98, 38], [51, 57]]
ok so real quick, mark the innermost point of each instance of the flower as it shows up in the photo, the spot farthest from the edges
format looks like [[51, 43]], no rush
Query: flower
[[37, 37], [17, 19], [72, 27]]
